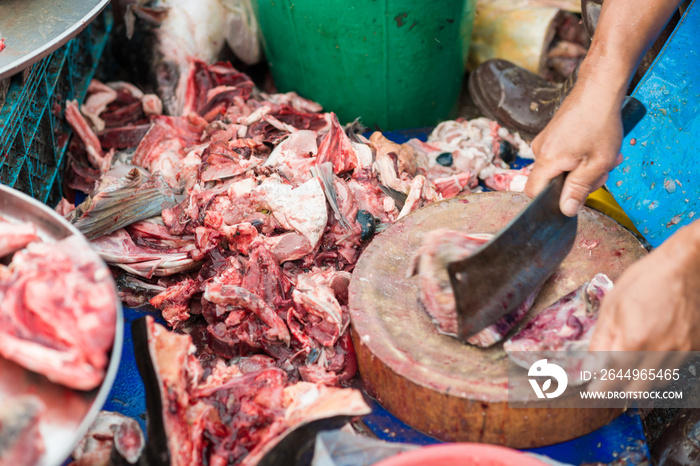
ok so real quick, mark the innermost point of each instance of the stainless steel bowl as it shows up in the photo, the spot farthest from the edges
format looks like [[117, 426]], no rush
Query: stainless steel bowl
[[32, 29], [69, 412]]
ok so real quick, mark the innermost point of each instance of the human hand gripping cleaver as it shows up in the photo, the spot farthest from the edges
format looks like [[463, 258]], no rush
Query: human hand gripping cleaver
[[505, 271]]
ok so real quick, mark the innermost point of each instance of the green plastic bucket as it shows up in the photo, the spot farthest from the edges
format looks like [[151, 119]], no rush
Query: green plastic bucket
[[395, 64]]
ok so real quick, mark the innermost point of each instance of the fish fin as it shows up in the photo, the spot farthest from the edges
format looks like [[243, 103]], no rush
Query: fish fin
[[398, 197], [324, 173], [131, 198], [355, 128]]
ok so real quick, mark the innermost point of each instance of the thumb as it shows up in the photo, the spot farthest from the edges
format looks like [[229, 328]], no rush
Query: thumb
[[539, 177], [602, 339], [606, 332], [579, 183]]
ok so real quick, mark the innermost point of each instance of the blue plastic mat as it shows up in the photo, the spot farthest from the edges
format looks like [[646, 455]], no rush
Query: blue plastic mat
[[128, 395], [657, 183], [623, 436], [33, 132]]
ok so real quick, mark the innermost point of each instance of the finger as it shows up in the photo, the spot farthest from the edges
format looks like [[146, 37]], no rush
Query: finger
[[620, 158], [539, 178], [605, 332], [602, 339], [607, 376], [601, 182], [537, 143], [578, 185], [650, 361]]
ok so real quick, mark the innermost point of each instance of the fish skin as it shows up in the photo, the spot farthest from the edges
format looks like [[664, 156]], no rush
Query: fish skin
[[120, 202], [134, 292], [172, 33]]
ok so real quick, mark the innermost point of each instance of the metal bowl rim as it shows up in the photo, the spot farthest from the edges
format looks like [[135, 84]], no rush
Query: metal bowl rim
[[28, 59], [115, 356]]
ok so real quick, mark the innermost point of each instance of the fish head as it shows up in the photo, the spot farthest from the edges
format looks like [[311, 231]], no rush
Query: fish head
[[167, 75]]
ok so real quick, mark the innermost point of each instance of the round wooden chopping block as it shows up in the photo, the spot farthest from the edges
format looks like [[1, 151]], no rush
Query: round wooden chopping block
[[438, 385]]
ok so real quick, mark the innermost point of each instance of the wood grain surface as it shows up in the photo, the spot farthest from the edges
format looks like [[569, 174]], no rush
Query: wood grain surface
[[438, 385]]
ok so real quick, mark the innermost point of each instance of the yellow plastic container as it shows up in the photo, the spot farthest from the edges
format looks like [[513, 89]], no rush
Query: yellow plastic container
[[602, 201]]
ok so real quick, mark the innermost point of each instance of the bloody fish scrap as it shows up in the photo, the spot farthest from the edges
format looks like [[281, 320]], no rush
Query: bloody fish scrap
[[232, 412], [112, 440], [15, 236], [58, 313], [566, 325], [439, 248]]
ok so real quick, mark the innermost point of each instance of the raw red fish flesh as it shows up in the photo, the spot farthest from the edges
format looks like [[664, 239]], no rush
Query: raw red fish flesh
[[15, 236], [58, 312], [439, 248], [566, 325], [224, 413], [562, 332]]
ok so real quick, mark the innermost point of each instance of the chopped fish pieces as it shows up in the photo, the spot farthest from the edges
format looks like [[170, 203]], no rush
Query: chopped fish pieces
[[562, 332], [440, 247], [240, 297], [274, 202], [111, 439], [566, 325], [236, 414], [58, 313], [15, 236]]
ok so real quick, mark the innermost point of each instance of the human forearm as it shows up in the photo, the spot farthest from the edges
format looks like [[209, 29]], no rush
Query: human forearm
[[625, 30]]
